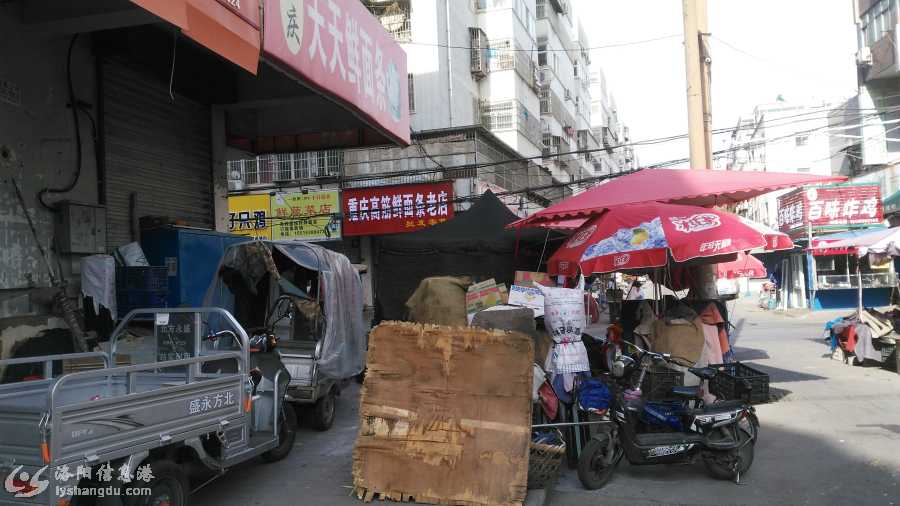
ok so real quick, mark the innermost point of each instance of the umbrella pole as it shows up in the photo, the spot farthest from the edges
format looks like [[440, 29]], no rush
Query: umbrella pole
[[859, 291]]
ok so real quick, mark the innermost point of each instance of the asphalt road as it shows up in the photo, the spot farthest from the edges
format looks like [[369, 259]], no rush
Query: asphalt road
[[834, 438]]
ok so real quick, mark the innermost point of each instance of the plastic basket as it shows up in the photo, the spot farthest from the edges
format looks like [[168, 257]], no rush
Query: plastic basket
[[142, 278], [727, 384], [126, 300], [544, 461], [658, 383]]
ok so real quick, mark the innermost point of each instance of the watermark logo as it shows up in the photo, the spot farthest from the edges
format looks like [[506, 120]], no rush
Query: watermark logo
[[24, 485]]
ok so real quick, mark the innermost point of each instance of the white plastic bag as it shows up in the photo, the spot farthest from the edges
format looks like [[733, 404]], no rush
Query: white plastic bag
[[564, 312], [564, 319]]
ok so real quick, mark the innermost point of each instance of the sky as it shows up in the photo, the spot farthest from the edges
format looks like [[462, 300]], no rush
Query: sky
[[803, 50]]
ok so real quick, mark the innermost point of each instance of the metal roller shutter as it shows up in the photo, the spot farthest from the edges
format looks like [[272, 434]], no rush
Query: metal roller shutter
[[156, 149]]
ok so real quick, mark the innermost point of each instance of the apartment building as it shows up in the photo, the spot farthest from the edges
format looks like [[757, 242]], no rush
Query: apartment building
[[489, 81], [784, 137]]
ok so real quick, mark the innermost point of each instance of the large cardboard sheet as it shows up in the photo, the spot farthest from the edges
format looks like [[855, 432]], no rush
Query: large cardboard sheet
[[445, 416]]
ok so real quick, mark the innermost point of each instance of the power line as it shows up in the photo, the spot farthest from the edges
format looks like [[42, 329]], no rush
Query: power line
[[577, 49]]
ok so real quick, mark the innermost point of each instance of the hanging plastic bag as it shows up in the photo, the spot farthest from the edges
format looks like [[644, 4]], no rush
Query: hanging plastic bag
[[564, 319]]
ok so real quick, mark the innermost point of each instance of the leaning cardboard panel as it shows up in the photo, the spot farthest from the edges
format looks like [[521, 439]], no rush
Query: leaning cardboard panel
[[445, 416]]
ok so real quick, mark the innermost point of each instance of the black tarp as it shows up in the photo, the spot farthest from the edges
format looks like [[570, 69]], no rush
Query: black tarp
[[474, 243]]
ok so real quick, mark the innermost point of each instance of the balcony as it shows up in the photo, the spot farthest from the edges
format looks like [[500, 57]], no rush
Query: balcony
[[511, 115], [394, 17], [553, 105], [507, 55], [879, 61], [275, 169]]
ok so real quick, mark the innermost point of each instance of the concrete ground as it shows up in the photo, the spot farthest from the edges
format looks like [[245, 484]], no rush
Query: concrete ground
[[834, 438]]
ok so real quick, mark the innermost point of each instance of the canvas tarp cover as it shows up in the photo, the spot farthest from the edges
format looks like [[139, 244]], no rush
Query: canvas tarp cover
[[344, 343], [474, 243]]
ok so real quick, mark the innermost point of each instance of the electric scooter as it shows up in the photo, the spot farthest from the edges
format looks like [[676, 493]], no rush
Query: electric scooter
[[722, 434]]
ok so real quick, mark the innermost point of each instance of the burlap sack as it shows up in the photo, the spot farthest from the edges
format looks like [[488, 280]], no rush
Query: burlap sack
[[440, 300]]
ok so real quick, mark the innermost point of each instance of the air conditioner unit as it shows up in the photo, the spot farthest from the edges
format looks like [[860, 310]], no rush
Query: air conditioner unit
[[864, 56]]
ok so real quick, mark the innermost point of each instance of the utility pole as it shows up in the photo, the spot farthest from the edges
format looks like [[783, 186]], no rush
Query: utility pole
[[697, 72]]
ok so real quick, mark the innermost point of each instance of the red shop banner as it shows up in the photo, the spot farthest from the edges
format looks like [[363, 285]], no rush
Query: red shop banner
[[830, 206], [396, 209]]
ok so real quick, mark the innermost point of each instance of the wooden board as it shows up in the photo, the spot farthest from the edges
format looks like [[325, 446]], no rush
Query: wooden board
[[445, 416]]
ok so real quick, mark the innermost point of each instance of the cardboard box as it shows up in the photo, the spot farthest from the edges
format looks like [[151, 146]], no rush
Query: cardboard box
[[529, 297], [445, 416], [482, 296], [528, 279]]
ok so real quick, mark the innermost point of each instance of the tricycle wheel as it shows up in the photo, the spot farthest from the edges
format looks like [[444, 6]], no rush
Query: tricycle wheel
[[168, 487], [598, 460], [323, 412], [287, 432]]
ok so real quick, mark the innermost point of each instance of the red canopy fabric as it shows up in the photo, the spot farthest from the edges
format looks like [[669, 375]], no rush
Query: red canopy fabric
[[641, 236], [696, 187]]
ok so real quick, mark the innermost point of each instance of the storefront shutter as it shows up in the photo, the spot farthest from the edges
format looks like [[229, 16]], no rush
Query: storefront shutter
[[157, 149]]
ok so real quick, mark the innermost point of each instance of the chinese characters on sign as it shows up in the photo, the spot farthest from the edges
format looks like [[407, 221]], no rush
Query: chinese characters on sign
[[830, 206], [338, 46], [175, 336], [394, 209], [310, 216], [210, 402], [249, 215]]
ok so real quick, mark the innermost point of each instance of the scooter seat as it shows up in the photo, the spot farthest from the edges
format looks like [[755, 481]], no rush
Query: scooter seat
[[692, 392], [706, 373]]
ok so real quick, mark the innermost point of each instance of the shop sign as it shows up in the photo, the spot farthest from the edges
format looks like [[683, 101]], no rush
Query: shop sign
[[830, 206], [249, 215], [339, 48], [396, 209], [310, 216]]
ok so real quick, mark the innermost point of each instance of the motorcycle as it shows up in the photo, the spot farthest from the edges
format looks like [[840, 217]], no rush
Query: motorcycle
[[266, 378], [722, 434]]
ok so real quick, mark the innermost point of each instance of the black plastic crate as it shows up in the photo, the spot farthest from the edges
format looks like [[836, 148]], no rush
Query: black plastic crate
[[888, 354], [126, 300], [142, 278], [727, 384], [658, 383]]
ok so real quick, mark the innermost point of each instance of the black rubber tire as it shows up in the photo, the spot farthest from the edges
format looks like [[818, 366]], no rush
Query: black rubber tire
[[592, 471], [721, 471], [287, 433], [322, 416], [169, 483]]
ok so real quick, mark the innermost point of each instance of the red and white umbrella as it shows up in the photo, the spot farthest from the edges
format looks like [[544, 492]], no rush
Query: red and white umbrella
[[640, 236], [775, 240], [744, 266]]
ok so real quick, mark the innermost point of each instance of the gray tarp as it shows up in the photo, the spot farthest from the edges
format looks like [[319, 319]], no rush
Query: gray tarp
[[344, 343]]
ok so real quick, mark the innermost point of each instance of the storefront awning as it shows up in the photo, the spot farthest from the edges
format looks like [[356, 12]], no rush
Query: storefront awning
[[696, 187], [340, 50], [892, 203], [229, 29]]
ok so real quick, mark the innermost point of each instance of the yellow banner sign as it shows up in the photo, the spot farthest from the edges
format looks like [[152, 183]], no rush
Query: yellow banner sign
[[249, 215], [310, 216]]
